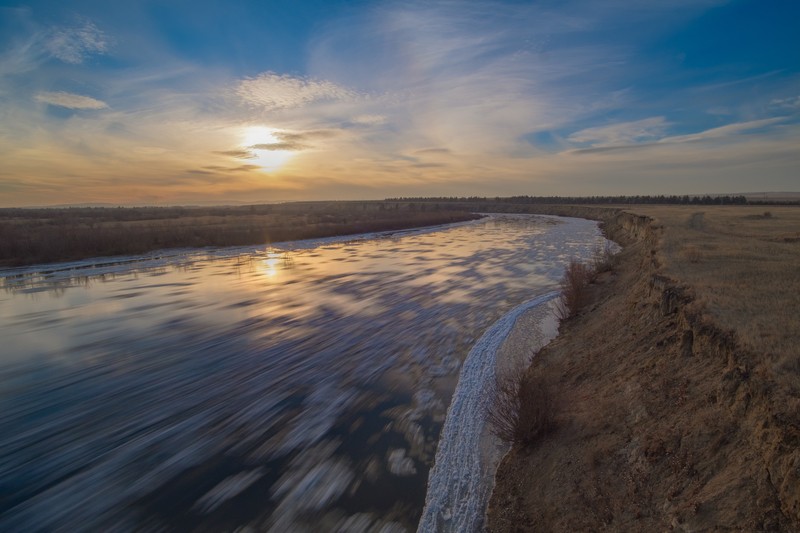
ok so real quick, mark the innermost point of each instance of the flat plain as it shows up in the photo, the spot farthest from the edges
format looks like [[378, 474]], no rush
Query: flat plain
[[743, 265]]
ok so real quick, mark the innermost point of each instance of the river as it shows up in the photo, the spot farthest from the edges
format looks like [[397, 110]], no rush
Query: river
[[296, 387]]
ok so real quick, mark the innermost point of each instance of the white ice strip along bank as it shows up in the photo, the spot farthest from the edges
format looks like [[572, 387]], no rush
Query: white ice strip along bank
[[460, 483]]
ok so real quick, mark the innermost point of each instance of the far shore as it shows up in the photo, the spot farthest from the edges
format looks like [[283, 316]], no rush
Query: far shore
[[38, 236], [30, 236]]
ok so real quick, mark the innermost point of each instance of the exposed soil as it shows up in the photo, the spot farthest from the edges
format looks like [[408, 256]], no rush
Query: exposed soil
[[663, 421]]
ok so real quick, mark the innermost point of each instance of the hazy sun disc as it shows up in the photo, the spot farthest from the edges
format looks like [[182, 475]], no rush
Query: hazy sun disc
[[268, 159]]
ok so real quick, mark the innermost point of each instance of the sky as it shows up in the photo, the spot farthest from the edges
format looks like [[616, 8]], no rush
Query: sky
[[210, 102]]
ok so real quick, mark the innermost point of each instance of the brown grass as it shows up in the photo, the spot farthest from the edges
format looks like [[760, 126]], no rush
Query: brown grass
[[574, 289], [743, 264], [29, 236], [521, 409], [655, 436], [603, 259]]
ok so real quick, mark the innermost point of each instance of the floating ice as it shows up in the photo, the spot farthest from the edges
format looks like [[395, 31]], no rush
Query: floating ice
[[144, 390]]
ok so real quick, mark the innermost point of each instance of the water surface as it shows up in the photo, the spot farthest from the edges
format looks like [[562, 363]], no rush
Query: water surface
[[285, 388]]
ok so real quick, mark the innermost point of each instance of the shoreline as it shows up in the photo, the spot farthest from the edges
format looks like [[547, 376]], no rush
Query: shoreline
[[468, 454], [460, 482], [42, 236], [667, 420], [110, 265]]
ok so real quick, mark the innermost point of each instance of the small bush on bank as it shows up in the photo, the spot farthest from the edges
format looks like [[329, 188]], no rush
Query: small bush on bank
[[521, 409], [603, 259], [574, 289]]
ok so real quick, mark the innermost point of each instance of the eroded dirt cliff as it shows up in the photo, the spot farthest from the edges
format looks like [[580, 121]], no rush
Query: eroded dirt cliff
[[663, 421]]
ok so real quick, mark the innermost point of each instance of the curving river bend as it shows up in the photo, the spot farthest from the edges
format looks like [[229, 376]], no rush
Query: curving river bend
[[291, 388]]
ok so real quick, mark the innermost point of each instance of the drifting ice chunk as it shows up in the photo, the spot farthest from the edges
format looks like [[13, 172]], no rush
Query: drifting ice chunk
[[400, 465]]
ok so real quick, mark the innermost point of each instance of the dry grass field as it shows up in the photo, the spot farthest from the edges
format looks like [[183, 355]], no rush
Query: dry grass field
[[30, 236], [743, 264], [677, 388]]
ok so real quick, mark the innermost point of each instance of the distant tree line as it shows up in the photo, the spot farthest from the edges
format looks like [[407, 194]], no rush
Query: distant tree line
[[57, 215], [594, 200]]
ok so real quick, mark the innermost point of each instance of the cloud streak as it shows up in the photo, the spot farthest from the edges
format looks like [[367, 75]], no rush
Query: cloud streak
[[624, 141], [273, 147], [621, 133], [70, 100]]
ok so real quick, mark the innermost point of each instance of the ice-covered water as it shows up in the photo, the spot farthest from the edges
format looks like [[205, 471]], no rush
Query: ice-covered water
[[460, 482], [288, 388]]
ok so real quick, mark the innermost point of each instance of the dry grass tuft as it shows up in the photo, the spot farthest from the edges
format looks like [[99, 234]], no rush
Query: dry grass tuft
[[521, 409], [574, 289], [603, 259]]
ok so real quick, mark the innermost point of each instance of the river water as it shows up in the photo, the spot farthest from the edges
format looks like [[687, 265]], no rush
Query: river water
[[298, 387]]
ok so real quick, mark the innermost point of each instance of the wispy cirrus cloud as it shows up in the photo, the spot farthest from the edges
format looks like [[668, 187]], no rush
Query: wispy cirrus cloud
[[469, 77], [622, 133], [70, 100], [274, 91], [32, 44], [728, 130], [76, 43], [614, 142], [786, 103]]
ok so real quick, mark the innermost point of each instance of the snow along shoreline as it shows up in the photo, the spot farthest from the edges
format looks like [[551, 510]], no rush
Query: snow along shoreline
[[460, 483]]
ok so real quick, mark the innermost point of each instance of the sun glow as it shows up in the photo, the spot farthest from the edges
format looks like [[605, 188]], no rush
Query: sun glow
[[275, 262], [265, 146]]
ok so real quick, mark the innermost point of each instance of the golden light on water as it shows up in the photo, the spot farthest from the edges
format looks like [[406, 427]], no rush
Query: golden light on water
[[269, 267], [274, 262], [265, 146]]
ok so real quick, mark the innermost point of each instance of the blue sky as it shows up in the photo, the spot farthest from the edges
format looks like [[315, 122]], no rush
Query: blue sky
[[208, 101]]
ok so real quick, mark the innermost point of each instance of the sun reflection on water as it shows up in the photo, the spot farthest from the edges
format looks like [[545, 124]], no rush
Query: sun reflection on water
[[318, 376], [274, 262]]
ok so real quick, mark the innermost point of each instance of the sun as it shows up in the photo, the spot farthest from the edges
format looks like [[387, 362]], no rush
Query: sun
[[267, 157]]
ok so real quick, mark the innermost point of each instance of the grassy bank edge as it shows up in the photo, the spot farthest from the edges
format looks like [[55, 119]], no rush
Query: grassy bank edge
[[768, 436]]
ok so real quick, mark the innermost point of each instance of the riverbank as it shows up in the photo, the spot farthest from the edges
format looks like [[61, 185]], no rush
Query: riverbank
[[467, 454], [676, 408]]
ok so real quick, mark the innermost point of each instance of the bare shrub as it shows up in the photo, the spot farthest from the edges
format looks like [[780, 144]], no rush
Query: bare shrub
[[521, 409], [603, 259], [574, 289]]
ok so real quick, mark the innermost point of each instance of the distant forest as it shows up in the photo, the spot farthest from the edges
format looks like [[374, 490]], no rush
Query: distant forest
[[598, 200]]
